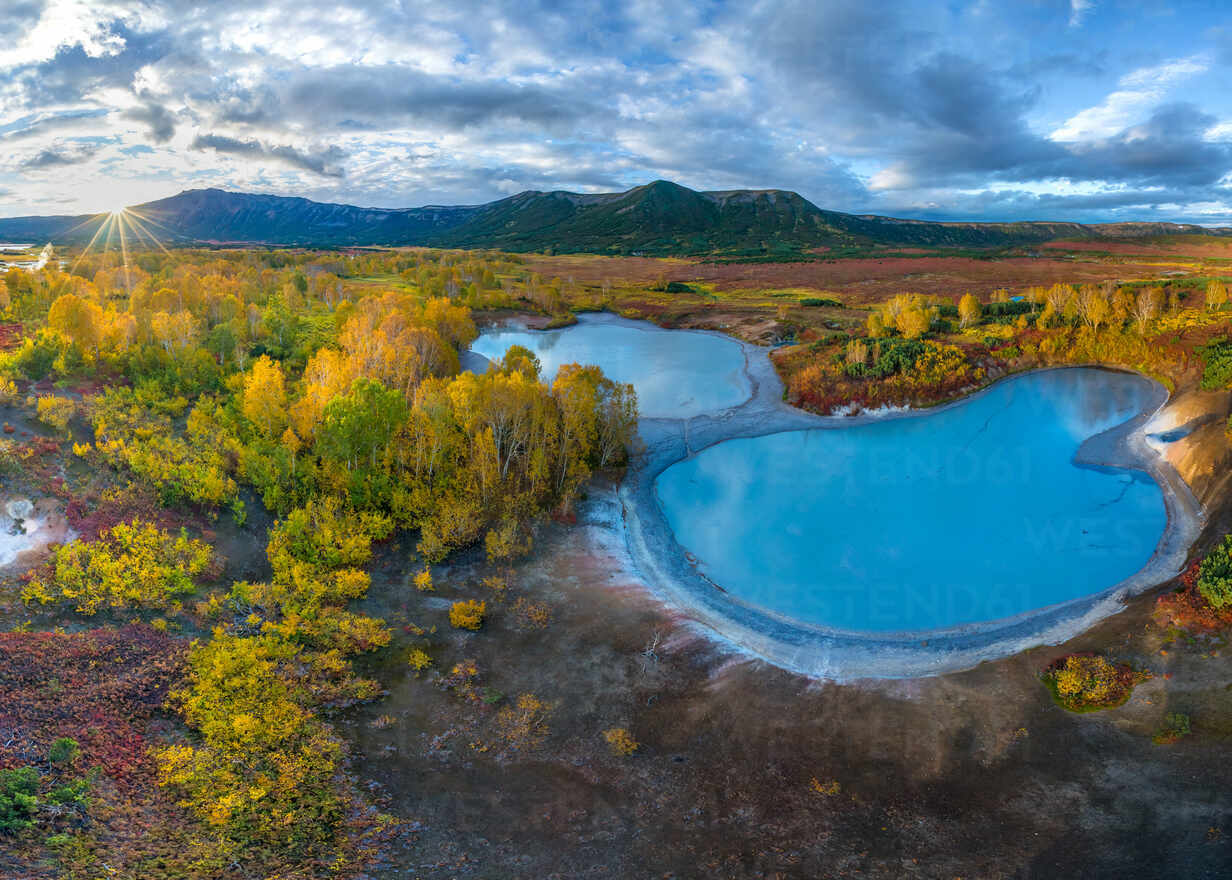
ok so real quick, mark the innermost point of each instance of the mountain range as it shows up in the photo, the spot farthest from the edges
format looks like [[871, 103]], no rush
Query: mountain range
[[657, 219]]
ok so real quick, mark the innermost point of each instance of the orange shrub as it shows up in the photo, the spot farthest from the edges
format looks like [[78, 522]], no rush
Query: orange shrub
[[620, 741], [467, 614]]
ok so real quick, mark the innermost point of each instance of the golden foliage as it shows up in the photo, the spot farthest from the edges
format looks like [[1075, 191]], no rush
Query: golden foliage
[[620, 741], [824, 789], [133, 565], [525, 724], [56, 411], [467, 614], [419, 659]]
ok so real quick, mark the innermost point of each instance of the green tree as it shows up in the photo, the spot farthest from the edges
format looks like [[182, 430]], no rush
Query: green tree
[[1215, 575], [361, 424], [18, 798]]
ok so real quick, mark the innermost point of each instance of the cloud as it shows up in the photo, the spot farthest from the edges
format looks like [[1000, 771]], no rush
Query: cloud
[[363, 97], [41, 124], [160, 121], [51, 158], [899, 106], [1139, 90], [323, 162], [46, 29], [1078, 10]]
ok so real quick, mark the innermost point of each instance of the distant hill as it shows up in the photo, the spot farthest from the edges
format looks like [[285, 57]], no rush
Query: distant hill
[[218, 216], [658, 219]]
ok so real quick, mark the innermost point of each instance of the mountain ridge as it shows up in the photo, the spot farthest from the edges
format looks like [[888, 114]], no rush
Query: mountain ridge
[[660, 218]]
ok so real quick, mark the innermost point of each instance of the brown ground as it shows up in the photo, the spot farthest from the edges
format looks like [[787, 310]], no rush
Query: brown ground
[[1185, 246], [970, 775], [858, 281]]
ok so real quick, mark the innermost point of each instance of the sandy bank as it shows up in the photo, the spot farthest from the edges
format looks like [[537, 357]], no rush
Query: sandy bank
[[844, 655]]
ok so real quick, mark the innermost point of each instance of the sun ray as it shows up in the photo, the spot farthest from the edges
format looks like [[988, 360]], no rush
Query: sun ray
[[146, 218], [128, 278], [89, 244], [138, 223], [102, 218], [116, 228]]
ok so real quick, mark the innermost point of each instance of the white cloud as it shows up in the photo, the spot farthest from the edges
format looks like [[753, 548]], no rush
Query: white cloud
[[1078, 10], [894, 177], [65, 24], [1220, 132], [1139, 90]]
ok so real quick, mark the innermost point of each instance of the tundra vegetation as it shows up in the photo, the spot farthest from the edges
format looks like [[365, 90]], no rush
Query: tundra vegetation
[[326, 389], [209, 390]]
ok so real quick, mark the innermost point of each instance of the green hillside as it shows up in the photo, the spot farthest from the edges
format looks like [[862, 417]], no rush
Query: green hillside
[[657, 219]]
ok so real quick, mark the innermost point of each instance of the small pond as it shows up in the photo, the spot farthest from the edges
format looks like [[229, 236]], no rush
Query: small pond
[[975, 512], [677, 375]]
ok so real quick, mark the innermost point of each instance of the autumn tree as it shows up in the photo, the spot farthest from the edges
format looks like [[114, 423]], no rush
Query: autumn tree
[[264, 401], [77, 320], [1216, 294], [1147, 307], [1093, 306], [969, 311]]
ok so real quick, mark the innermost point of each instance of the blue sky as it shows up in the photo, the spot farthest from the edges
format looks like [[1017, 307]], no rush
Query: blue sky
[[992, 109]]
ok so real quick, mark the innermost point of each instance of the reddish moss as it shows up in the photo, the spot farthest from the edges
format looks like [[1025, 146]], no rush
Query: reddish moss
[[1188, 609]]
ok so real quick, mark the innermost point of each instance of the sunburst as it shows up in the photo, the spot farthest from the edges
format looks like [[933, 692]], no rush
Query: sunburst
[[116, 228]]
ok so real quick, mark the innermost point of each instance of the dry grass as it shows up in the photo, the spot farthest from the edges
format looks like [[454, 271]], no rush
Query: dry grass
[[855, 281]]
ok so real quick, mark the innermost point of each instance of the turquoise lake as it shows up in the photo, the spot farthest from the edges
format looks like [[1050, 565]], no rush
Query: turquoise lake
[[973, 513], [676, 374]]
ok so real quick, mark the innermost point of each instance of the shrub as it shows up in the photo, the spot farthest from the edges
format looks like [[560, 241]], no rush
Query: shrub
[[620, 741], [9, 457], [1007, 309], [496, 584], [127, 431], [467, 614], [324, 534], [815, 302], [18, 798], [1087, 682], [524, 725], [825, 789], [1175, 726], [1217, 364], [532, 615], [56, 411], [567, 319], [63, 751], [8, 393], [419, 660], [132, 565], [1215, 575], [423, 580], [264, 769], [1087, 678]]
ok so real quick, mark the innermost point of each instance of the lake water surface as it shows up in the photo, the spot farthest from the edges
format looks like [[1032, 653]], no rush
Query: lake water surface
[[973, 513], [676, 374]]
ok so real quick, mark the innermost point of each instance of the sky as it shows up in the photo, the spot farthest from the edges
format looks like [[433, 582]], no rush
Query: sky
[[1089, 110]]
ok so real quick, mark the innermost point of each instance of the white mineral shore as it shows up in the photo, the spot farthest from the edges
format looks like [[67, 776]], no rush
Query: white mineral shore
[[845, 655]]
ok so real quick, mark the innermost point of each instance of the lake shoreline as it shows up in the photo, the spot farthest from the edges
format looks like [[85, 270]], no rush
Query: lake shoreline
[[841, 655]]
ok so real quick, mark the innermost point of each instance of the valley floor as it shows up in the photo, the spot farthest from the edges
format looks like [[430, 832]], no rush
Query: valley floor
[[744, 770]]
